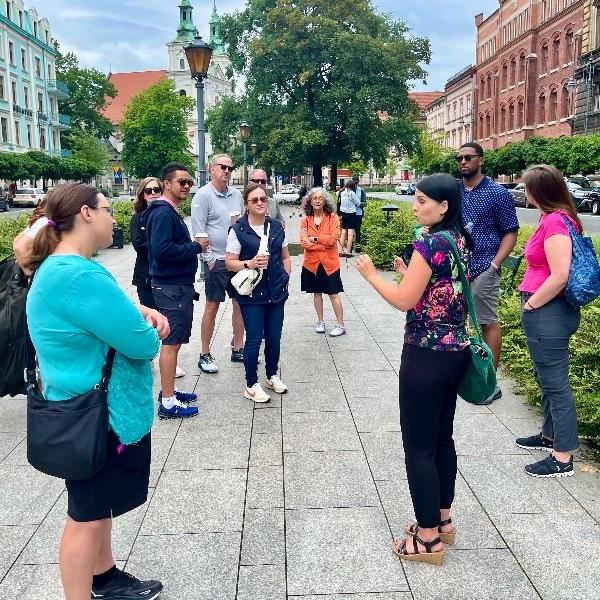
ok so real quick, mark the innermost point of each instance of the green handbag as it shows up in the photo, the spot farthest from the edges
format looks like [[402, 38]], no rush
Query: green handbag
[[479, 383]]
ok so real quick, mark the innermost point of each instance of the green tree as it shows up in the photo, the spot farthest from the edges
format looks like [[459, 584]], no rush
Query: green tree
[[154, 130], [325, 80], [88, 93], [89, 148], [429, 153], [222, 121], [356, 165]]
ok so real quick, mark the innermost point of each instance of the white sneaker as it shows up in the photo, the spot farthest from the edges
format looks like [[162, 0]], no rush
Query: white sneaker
[[338, 330], [320, 327], [276, 385], [256, 393], [179, 372]]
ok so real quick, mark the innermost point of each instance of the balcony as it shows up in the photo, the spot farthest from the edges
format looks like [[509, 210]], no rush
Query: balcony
[[42, 117], [62, 122], [58, 89]]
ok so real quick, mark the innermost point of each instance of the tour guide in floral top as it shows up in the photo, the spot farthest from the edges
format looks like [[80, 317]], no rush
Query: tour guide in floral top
[[435, 357]]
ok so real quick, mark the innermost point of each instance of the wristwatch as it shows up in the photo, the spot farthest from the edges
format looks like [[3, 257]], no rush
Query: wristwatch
[[245, 265]]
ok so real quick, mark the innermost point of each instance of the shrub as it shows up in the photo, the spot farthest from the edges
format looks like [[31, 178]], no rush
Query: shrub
[[9, 228], [122, 213]]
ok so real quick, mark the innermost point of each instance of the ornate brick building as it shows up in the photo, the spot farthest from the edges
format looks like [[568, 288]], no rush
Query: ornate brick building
[[526, 55]]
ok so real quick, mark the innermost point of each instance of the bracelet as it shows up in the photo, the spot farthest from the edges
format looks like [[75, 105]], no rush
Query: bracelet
[[495, 266], [529, 303]]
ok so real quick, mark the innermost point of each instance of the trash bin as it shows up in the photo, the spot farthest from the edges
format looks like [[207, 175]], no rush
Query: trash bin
[[117, 241]]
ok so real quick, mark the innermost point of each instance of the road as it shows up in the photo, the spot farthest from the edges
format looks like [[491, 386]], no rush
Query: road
[[526, 216]]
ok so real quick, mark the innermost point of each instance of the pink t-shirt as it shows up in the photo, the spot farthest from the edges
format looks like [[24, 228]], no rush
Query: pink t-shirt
[[538, 270]]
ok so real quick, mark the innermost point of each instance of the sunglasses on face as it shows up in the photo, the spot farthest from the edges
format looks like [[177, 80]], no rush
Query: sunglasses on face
[[224, 167], [467, 157], [260, 181], [262, 200], [183, 182], [153, 190]]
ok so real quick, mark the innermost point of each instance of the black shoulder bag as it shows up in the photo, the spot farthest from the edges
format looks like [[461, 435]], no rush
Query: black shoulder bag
[[67, 438]]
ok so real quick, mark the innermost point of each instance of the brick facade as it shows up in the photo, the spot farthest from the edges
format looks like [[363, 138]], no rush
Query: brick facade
[[526, 54]]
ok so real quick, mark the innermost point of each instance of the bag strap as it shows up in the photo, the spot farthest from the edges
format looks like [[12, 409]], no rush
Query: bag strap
[[569, 225], [31, 372], [465, 285]]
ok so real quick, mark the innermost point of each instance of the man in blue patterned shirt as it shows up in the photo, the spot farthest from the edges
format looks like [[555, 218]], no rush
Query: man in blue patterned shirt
[[489, 215]]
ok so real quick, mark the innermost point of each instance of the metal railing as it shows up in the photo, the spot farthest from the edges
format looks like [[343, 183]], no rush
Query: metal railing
[[55, 85]]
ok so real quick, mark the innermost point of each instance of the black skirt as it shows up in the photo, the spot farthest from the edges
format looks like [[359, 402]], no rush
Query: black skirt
[[321, 283], [119, 487], [349, 220]]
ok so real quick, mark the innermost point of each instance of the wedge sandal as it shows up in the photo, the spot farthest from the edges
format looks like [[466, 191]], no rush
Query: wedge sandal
[[429, 556], [446, 537]]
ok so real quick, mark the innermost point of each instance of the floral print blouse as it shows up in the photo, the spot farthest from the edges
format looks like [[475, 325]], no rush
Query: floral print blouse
[[438, 321]]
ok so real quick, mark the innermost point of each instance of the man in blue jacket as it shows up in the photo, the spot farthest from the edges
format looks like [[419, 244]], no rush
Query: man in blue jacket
[[173, 260]]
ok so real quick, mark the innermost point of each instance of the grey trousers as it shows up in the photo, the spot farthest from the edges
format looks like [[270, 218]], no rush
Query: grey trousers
[[548, 330]]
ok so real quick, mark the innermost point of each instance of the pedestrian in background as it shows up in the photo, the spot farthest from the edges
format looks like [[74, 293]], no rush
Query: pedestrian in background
[[435, 357], [362, 195], [259, 177], [214, 208], [489, 215], [263, 309], [319, 236], [173, 261], [549, 320], [76, 312], [148, 189], [349, 204]]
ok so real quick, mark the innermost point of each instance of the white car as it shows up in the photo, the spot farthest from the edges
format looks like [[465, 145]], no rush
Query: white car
[[28, 196], [288, 188]]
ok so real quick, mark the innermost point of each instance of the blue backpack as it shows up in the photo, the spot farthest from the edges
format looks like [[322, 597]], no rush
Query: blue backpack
[[583, 285]]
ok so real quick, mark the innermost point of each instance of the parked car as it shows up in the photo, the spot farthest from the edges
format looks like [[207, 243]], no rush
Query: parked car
[[519, 197], [405, 188], [28, 196], [288, 188], [585, 194], [509, 185]]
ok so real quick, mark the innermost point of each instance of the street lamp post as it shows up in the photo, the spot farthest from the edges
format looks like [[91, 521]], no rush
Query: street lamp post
[[253, 148], [244, 130], [198, 55]]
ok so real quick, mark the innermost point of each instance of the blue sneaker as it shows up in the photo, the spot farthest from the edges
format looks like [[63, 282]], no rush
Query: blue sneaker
[[178, 411], [185, 397]]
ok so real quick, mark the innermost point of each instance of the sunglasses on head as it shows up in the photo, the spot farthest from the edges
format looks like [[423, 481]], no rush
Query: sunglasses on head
[[263, 181], [224, 167], [183, 181], [262, 200], [467, 157], [152, 190]]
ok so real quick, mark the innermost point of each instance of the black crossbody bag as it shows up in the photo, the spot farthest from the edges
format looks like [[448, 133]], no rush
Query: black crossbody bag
[[67, 438]]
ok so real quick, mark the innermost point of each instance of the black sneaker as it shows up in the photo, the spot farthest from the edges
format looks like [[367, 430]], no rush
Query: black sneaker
[[535, 442], [124, 586], [237, 355], [550, 467]]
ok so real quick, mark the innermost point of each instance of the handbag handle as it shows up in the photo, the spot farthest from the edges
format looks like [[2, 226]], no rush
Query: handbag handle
[[465, 285]]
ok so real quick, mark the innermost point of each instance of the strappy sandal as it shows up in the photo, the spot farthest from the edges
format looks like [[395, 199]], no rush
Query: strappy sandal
[[433, 558], [447, 537]]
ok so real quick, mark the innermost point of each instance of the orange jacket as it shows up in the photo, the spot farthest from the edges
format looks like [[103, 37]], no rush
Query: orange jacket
[[325, 250]]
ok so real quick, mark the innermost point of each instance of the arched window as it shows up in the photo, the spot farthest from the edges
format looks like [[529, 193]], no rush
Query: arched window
[[513, 70], [481, 93], [502, 126], [565, 103], [556, 53], [520, 113], [181, 64], [489, 86], [481, 131], [569, 47], [511, 116], [553, 109], [545, 58], [542, 109], [504, 78], [522, 66], [488, 125]]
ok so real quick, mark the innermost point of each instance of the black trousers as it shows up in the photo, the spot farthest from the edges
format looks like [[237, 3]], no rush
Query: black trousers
[[429, 381]]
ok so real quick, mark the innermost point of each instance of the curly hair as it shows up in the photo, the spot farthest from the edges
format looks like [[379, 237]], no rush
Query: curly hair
[[328, 207]]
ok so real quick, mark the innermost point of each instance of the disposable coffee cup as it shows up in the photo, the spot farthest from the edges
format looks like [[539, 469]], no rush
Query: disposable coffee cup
[[201, 236], [234, 216]]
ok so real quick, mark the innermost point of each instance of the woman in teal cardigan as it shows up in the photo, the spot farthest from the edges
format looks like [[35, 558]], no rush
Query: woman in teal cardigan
[[76, 312]]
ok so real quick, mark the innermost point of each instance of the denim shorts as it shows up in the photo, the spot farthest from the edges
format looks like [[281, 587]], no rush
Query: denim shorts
[[217, 282]]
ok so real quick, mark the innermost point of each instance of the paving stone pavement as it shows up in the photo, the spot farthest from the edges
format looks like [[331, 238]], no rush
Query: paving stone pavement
[[300, 499]]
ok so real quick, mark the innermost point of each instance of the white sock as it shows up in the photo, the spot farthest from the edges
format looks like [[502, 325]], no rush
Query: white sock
[[169, 402]]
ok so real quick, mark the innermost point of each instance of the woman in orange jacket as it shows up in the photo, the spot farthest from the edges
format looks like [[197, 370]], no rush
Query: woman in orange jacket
[[319, 235]]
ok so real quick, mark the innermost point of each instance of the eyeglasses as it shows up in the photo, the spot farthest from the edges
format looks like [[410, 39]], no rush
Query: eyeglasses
[[183, 181], [467, 157], [263, 181], [224, 167], [154, 190], [108, 209], [262, 200]]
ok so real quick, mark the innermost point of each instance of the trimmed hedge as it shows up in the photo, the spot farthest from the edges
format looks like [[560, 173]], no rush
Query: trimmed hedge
[[9, 229], [383, 240]]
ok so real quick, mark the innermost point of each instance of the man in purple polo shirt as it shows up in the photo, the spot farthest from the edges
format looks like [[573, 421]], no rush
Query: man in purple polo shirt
[[489, 215]]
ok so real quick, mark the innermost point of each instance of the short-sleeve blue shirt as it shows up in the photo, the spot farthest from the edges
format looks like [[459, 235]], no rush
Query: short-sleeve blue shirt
[[488, 214]]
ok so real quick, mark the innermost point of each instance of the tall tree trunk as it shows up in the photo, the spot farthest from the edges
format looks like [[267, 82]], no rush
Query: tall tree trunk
[[333, 179], [317, 175]]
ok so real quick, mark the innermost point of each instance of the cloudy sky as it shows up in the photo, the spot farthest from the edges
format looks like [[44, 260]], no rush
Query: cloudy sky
[[130, 35]]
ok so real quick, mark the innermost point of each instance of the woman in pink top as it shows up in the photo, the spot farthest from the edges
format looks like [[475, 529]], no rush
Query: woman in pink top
[[549, 320]]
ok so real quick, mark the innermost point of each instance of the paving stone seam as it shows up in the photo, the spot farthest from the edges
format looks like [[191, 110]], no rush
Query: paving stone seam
[[37, 527], [285, 553], [361, 441]]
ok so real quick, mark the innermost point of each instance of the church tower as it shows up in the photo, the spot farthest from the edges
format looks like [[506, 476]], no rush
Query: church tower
[[186, 32], [215, 31]]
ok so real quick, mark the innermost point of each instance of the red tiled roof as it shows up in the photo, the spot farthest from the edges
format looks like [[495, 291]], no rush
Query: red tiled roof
[[424, 99], [127, 86]]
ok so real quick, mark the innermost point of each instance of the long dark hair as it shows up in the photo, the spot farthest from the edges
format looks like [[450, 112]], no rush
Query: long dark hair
[[63, 204], [141, 204], [440, 187], [547, 186]]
